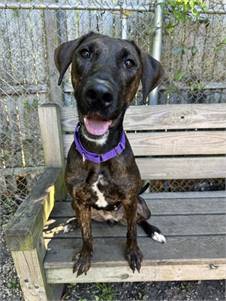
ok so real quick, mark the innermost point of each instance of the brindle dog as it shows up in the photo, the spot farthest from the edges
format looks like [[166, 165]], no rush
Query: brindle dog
[[105, 74]]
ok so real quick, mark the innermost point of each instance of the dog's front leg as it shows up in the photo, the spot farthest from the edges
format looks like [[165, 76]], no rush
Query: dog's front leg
[[133, 253], [83, 259]]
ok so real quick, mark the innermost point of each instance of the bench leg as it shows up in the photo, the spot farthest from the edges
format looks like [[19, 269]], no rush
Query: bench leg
[[29, 266], [61, 191]]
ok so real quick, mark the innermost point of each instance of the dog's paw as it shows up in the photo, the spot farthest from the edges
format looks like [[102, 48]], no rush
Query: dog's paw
[[134, 257], [159, 237], [82, 261], [71, 225]]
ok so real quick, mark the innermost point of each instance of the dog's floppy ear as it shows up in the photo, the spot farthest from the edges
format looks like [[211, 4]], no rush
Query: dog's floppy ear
[[152, 73], [64, 53]]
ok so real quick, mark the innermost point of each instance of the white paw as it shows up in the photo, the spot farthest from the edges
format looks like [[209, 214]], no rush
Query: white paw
[[159, 237], [70, 225], [67, 229]]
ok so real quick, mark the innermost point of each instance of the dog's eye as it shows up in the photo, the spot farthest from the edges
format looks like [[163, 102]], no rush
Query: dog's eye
[[129, 63], [85, 53]]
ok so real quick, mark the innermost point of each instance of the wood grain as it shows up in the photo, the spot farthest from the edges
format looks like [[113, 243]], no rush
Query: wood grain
[[210, 270], [161, 117], [28, 222], [51, 135], [52, 41], [182, 168], [176, 248], [171, 143], [189, 258], [172, 225], [186, 195], [29, 266], [22, 170], [163, 206]]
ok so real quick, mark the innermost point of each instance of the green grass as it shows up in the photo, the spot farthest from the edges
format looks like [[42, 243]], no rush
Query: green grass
[[13, 283], [106, 293]]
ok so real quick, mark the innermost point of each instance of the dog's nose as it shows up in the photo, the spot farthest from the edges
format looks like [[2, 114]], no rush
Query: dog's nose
[[99, 93]]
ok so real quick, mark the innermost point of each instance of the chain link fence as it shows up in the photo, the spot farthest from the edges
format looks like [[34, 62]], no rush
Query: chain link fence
[[193, 56]]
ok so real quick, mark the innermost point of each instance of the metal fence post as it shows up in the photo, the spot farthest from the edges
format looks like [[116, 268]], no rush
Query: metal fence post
[[157, 45]]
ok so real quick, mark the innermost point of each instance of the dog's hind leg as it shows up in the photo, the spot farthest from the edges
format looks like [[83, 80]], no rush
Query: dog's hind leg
[[143, 214]]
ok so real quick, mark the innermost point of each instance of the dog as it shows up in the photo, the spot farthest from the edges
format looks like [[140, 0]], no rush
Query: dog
[[101, 174]]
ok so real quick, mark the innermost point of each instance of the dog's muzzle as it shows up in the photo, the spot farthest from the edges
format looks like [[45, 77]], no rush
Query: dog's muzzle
[[100, 100]]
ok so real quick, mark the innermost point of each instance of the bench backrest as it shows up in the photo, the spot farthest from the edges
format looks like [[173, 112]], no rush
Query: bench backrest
[[169, 141]]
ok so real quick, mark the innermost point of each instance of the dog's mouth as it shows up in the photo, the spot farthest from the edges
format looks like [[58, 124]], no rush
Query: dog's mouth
[[96, 126]]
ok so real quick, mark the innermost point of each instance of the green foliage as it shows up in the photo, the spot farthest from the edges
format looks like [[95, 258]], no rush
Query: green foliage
[[183, 9], [179, 11], [221, 45], [196, 86], [31, 106], [13, 284], [15, 13], [106, 292], [179, 75]]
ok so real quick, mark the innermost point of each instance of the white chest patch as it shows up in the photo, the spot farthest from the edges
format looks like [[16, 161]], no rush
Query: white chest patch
[[101, 202]]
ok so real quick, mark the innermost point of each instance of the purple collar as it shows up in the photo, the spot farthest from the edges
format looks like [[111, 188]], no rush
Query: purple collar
[[98, 158]]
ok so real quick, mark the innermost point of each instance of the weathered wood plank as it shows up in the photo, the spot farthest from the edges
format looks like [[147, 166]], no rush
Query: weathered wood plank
[[211, 270], [187, 116], [162, 207], [22, 170], [178, 143], [209, 55], [186, 195], [182, 168], [219, 68], [180, 259], [176, 248], [199, 195], [22, 61], [51, 134], [180, 195], [25, 88], [171, 143], [52, 41], [28, 222], [177, 225], [29, 266]]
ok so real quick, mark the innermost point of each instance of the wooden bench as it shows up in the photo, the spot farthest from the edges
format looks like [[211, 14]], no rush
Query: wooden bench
[[170, 142]]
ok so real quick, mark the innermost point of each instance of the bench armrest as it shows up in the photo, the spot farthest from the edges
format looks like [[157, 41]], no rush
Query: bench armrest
[[26, 226]]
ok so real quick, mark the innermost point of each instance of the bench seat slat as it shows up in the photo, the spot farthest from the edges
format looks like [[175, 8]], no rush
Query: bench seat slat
[[188, 258], [192, 252], [161, 117], [163, 207], [176, 248], [182, 225], [171, 143], [178, 223]]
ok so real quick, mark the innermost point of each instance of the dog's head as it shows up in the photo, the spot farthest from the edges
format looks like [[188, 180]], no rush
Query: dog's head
[[106, 73]]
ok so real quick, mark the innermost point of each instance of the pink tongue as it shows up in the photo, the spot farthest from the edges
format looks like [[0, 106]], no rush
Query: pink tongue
[[97, 127]]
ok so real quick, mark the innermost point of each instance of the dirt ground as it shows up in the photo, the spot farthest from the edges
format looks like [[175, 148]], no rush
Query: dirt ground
[[190, 290]]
